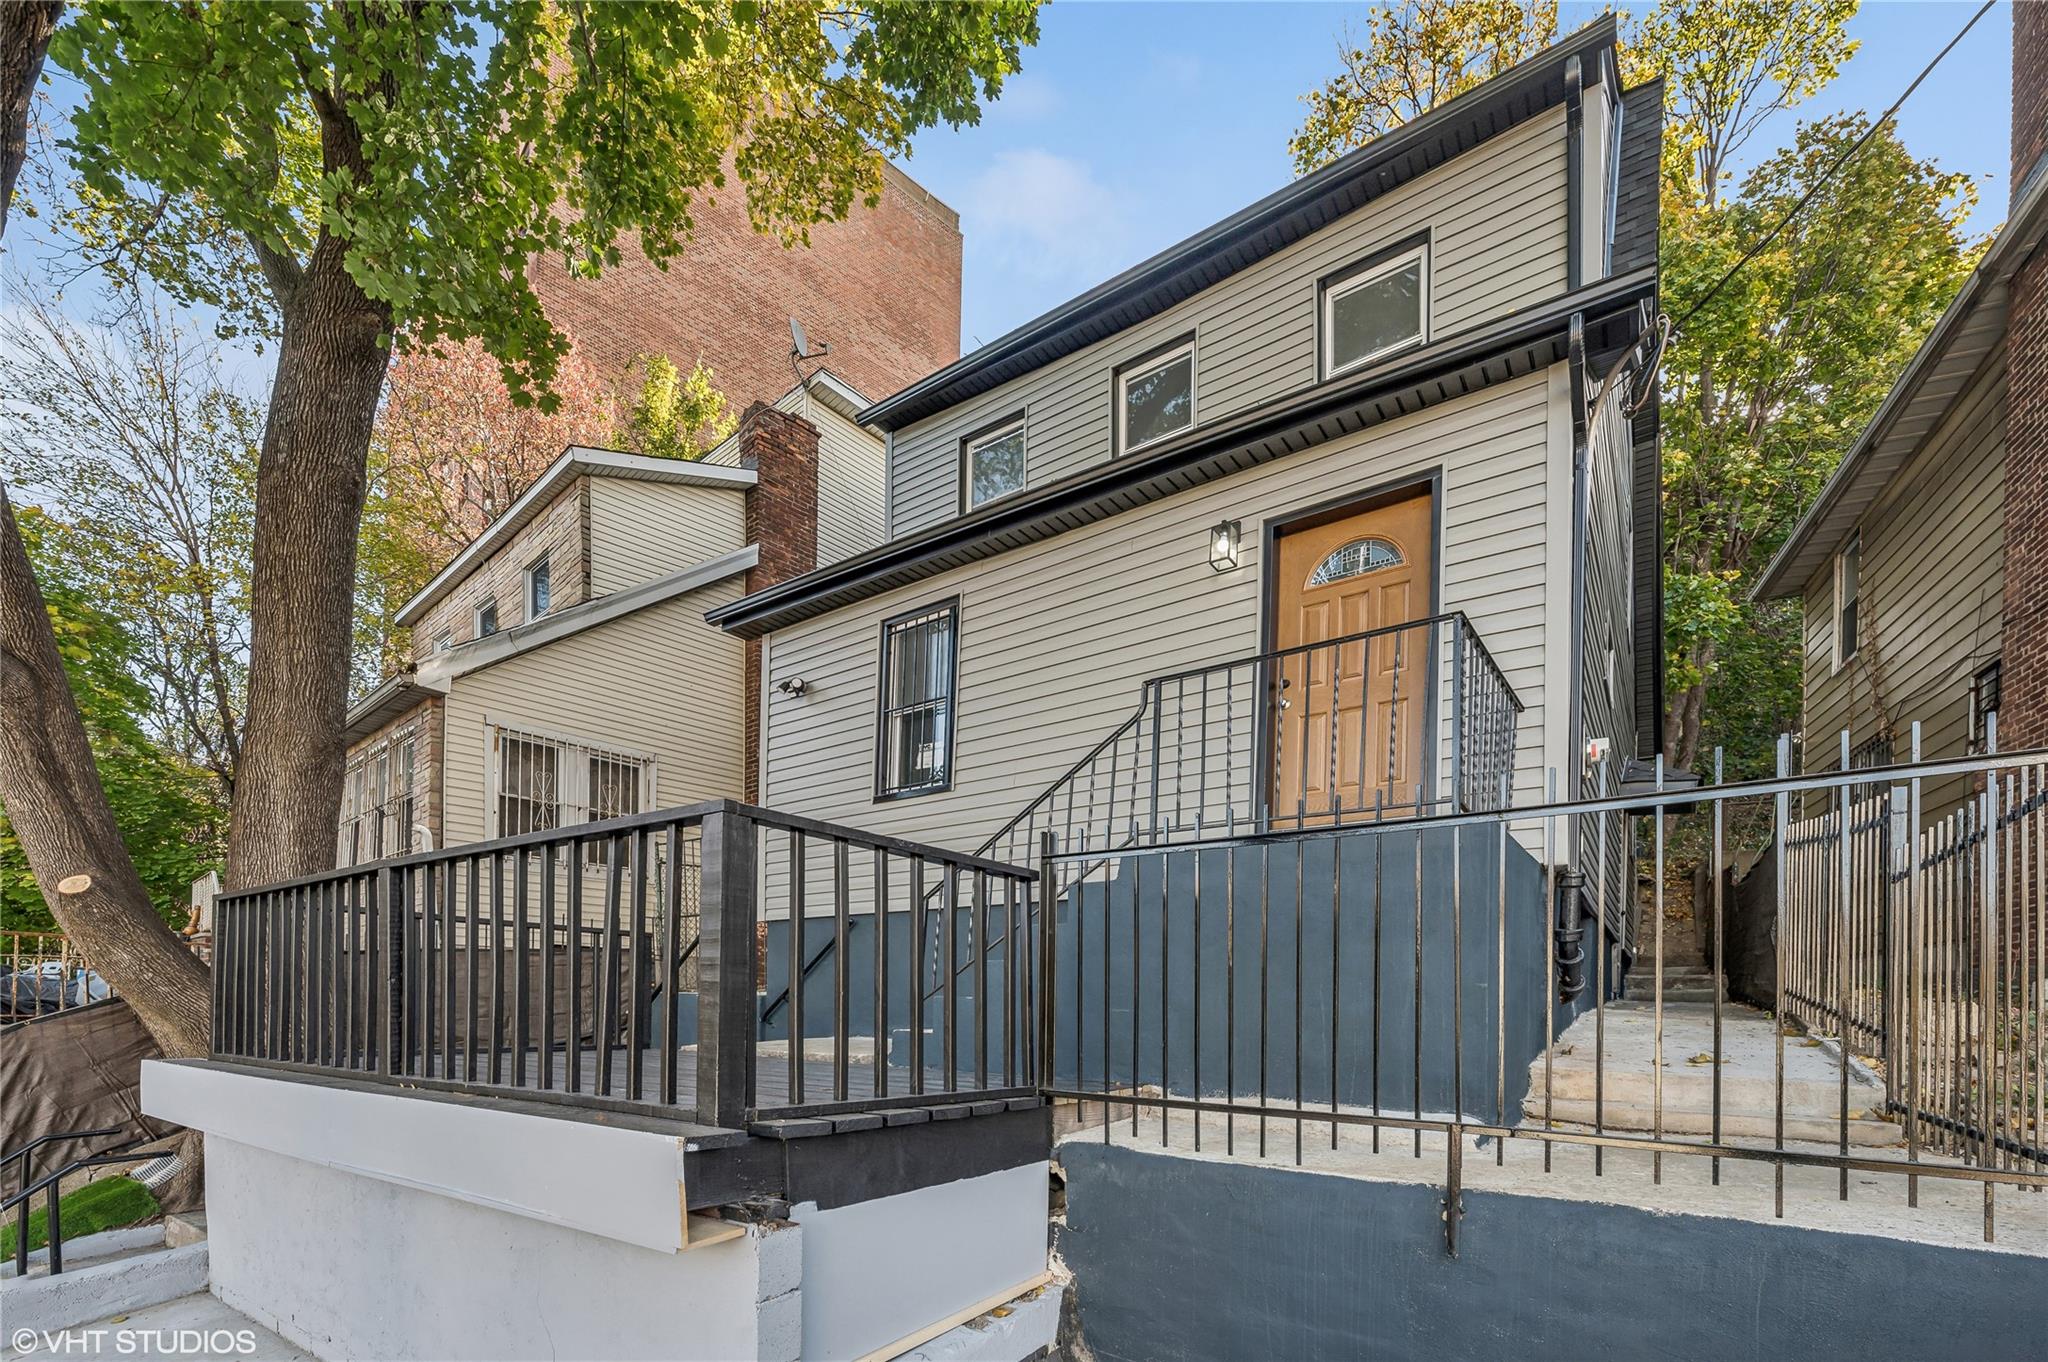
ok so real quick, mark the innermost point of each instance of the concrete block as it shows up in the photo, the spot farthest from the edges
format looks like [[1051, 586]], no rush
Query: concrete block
[[115, 1287], [1023, 1328], [185, 1227], [780, 1246]]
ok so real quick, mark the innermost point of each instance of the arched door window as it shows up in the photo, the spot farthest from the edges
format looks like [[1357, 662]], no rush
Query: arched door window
[[1355, 559]]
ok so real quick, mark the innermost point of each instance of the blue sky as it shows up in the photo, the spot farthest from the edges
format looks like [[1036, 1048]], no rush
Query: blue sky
[[1134, 125]]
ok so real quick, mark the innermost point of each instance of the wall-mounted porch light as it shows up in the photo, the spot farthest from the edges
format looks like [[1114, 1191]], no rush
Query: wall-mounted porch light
[[1223, 545]]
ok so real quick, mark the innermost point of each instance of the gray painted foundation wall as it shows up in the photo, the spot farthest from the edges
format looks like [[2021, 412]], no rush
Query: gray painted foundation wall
[[1143, 910], [1178, 1258]]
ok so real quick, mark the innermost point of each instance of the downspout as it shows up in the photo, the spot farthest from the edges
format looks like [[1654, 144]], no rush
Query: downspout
[[1574, 172], [1571, 956]]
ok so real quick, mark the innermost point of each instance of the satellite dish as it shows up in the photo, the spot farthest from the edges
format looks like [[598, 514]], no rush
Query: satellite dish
[[800, 344]]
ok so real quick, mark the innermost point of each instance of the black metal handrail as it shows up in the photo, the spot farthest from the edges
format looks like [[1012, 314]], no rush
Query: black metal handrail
[[50, 1185], [551, 964]]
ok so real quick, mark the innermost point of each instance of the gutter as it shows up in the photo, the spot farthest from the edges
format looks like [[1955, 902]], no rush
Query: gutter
[[996, 526]]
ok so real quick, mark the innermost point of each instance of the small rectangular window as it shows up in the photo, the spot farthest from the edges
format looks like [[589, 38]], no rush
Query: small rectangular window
[[1155, 397], [915, 749], [537, 589], [1985, 688], [994, 464], [486, 619], [1848, 585], [443, 641], [1375, 310]]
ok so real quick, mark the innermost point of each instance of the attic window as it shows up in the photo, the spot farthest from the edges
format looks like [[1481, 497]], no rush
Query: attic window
[[1355, 559], [486, 619], [1376, 309], [995, 464], [1155, 396], [537, 588]]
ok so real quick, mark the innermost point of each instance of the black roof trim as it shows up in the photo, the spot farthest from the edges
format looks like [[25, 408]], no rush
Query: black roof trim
[[1453, 367], [1253, 233]]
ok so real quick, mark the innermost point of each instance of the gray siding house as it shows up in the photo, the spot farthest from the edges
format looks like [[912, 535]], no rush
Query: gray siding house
[[1344, 500], [1900, 565]]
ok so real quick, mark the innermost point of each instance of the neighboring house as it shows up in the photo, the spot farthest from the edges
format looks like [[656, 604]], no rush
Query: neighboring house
[[1921, 565], [1369, 403], [563, 670]]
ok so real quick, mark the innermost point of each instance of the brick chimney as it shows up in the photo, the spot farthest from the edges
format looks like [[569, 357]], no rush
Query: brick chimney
[[782, 518], [2023, 711]]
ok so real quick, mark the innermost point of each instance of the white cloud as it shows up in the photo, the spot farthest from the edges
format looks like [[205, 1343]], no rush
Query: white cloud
[[1047, 217]]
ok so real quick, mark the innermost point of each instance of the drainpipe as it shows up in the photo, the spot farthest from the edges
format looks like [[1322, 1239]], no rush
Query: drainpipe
[[1574, 171], [1572, 882]]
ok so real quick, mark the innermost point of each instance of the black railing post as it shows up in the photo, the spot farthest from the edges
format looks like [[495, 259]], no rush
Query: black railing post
[[725, 970], [391, 893], [1458, 801], [1046, 942]]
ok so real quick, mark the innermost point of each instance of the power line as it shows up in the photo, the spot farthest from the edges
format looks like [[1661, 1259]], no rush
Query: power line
[[1768, 237]]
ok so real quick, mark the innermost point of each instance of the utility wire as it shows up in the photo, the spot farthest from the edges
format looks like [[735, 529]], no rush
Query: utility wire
[[1754, 251]]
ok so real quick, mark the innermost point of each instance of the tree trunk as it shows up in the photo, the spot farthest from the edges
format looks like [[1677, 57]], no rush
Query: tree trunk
[[25, 28], [310, 482], [59, 813], [49, 783]]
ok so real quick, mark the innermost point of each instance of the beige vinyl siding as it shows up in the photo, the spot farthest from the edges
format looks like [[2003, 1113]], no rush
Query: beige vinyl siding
[[658, 681], [643, 530], [1056, 638], [1931, 608], [1496, 217], [851, 472]]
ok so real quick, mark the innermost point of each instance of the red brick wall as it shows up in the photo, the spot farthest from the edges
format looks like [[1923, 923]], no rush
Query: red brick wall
[[882, 289], [782, 517], [2023, 711]]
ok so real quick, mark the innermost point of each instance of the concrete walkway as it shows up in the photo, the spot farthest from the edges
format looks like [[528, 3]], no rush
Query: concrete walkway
[[196, 1326], [1748, 1073]]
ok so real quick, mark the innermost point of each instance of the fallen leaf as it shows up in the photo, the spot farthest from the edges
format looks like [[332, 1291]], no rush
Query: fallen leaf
[[1703, 1058]]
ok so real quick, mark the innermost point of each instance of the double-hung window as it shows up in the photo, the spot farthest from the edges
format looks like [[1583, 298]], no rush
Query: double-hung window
[[541, 782], [1155, 396], [1848, 586], [537, 588], [914, 753], [993, 464], [381, 796], [1375, 310]]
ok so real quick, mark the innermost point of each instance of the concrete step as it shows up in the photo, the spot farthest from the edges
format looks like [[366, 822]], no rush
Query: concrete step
[[1737, 1124]]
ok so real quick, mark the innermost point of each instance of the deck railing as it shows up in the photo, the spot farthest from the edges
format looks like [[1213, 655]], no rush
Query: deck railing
[[45, 972], [621, 963], [1263, 989], [1398, 722]]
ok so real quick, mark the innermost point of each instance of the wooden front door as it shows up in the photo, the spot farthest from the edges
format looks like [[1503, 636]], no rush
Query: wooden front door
[[1347, 718]]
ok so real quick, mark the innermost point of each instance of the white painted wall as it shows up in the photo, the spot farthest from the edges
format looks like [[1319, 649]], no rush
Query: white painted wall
[[926, 1255], [351, 1266]]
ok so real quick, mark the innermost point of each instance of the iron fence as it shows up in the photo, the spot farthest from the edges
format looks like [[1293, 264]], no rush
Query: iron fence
[[1398, 722], [1403, 977], [621, 963]]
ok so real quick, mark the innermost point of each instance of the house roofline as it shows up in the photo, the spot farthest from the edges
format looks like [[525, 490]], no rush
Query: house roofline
[[1829, 520], [1259, 230], [574, 461], [1450, 367]]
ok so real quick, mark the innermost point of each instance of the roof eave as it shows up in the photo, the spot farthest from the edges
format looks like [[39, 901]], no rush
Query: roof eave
[[905, 407]]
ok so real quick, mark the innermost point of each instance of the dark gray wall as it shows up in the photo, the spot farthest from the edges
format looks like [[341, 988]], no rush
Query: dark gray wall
[[1140, 915], [1180, 1258]]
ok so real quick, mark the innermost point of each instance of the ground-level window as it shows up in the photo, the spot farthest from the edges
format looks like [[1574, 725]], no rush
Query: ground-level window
[[914, 752], [537, 588], [1155, 397], [1848, 586], [1375, 310], [383, 799], [994, 464], [543, 781]]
